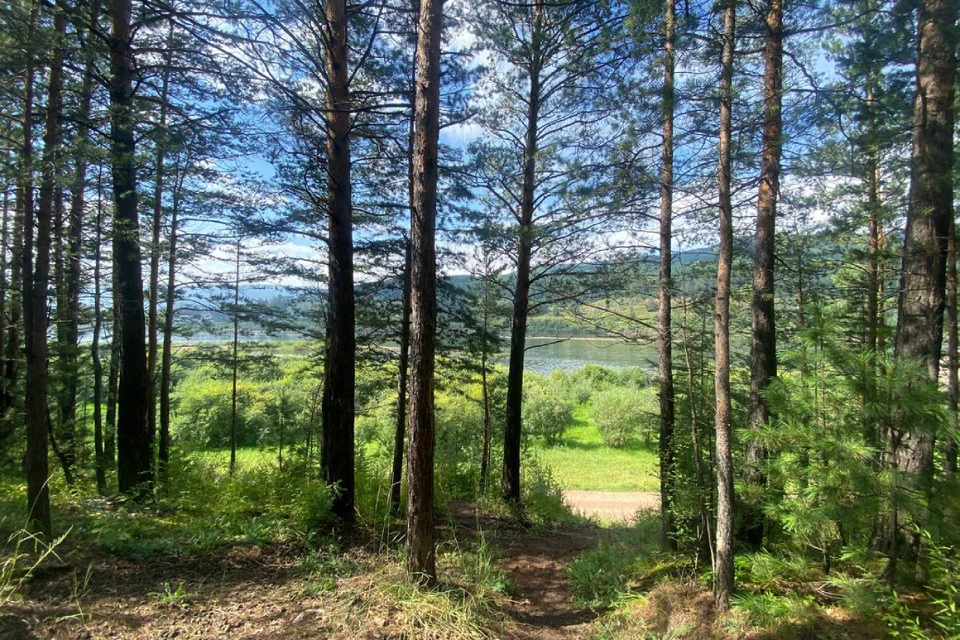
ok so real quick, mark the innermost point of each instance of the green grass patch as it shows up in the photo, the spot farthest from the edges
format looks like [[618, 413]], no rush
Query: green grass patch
[[583, 461]]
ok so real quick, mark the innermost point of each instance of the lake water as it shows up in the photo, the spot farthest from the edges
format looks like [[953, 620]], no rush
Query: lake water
[[546, 354], [543, 354]]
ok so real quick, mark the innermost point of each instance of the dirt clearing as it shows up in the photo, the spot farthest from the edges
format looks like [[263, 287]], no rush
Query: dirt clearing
[[611, 506]]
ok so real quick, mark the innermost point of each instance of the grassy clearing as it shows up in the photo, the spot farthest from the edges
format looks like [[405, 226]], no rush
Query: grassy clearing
[[583, 461]]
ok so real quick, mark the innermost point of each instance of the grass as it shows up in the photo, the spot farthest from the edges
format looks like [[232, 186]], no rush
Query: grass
[[247, 457], [584, 462]]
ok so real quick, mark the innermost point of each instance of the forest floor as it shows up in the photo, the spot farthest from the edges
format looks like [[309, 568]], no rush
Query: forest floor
[[252, 592], [353, 591]]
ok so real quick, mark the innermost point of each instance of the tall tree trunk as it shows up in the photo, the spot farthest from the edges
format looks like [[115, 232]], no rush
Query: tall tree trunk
[[923, 277], [401, 424], [6, 425], [100, 462], [664, 329], [763, 348], [19, 279], [339, 373], [166, 362], [873, 224], [35, 292], [235, 362], [723, 559], [66, 401], [485, 387], [421, 547], [68, 299], [512, 432], [874, 315], [134, 439], [113, 372], [953, 362], [152, 337], [400, 430]]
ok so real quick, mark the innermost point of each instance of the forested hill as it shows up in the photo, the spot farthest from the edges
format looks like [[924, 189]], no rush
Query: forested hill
[[630, 285]]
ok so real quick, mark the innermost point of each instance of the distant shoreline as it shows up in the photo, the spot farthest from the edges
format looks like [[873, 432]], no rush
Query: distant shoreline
[[577, 338]]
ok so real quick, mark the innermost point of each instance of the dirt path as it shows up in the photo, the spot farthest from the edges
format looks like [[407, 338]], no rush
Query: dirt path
[[536, 565], [611, 505], [544, 605]]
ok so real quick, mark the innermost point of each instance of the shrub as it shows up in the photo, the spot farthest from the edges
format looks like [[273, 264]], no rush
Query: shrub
[[458, 447], [543, 496], [546, 412], [577, 389], [623, 414], [597, 377]]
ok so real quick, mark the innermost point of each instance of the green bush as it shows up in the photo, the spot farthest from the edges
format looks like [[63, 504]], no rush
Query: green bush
[[547, 412], [623, 414], [543, 496], [273, 406], [577, 389]]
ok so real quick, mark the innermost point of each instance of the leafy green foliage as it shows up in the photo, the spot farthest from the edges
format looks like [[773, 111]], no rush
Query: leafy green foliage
[[547, 411], [623, 414], [943, 591], [770, 611], [831, 414], [273, 404]]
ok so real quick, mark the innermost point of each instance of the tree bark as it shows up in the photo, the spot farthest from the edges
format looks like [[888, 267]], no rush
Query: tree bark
[[421, 547], [19, 279], [763, 351], [158, 185], [340, 365], [35, 291], [65, 450], [485, 387], [929, 215], [399, 440], [134, 439], [664, 327], [512, 433], [235, 362], [113, 373], [953, 362], [401, 425], [166, 362], [723, 559], [100, 462], [68, 300]]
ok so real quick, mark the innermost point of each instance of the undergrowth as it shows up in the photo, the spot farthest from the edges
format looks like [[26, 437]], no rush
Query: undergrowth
[[603, 576], [22, 554], [373, 597]]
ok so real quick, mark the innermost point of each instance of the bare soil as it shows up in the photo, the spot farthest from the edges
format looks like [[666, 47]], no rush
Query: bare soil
[[543, 605], [611, 506]]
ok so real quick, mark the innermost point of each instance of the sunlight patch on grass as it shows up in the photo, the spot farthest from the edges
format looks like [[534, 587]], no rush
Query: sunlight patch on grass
[[584, 462]]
